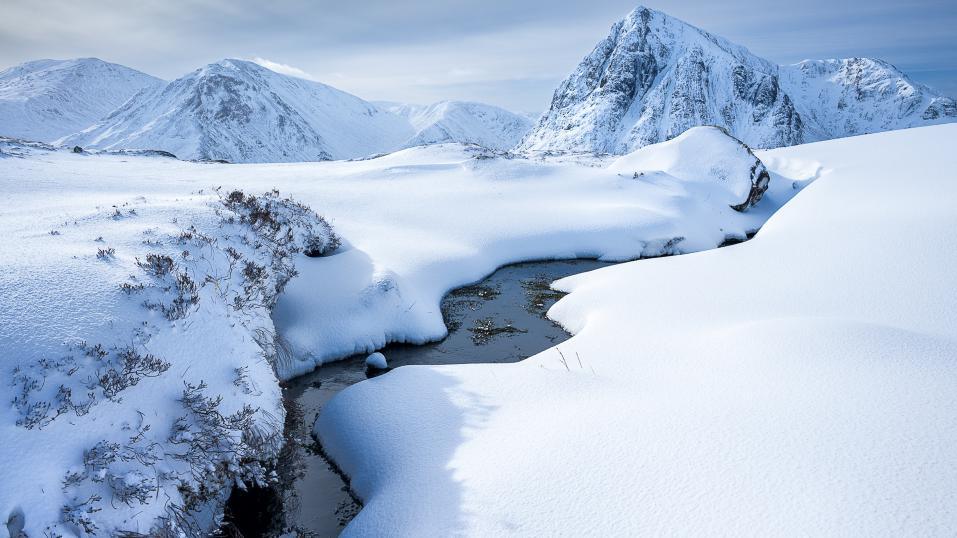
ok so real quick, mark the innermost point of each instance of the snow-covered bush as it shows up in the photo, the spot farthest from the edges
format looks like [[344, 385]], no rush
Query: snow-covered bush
[[234, 257]]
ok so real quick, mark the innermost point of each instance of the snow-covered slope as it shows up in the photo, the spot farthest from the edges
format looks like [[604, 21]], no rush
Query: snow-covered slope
[[46, 99], [239, 111], [655, 76], [799, 384], [860, 95], [465, 122]]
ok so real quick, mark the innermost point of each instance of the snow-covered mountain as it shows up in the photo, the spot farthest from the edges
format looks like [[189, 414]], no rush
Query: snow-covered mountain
[[47, 99], [239, 111], [655, 76], [857, 96], [465, 122]]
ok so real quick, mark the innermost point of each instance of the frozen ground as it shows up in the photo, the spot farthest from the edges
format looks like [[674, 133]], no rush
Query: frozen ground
[[116, 359], [801, 383]]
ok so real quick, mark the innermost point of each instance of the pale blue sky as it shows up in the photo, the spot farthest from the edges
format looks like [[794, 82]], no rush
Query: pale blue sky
[[505, 52]]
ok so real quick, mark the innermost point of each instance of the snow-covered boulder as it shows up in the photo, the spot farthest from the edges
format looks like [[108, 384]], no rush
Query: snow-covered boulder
[[376, 361], [703, 155]]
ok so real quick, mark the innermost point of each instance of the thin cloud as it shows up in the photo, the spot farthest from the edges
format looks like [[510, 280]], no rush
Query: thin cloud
[[284, 69]]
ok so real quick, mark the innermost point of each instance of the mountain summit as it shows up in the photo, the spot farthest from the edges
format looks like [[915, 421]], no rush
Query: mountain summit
[[46, 99], [655, 76]]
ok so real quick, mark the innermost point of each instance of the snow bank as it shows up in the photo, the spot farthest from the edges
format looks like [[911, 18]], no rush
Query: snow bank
[[139, 355], [799, 383]]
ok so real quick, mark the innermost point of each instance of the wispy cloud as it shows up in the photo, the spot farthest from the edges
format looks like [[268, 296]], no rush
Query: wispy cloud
[[282, 68]]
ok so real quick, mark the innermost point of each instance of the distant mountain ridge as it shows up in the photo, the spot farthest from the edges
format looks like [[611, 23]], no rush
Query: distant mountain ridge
[[654, 76], [47, 99], [462, 121], [239, 111]]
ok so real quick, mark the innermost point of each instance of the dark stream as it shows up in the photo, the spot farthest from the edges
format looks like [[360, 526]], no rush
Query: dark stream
[[500, 319]]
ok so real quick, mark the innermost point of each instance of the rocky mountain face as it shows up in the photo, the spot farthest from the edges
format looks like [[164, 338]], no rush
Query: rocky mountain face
[[464, 122], [858, 96], [655, 76], [46, 99], [239, 111]]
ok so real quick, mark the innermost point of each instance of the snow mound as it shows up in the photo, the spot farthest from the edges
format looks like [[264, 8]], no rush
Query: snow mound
[[703, 155], [47, 99]]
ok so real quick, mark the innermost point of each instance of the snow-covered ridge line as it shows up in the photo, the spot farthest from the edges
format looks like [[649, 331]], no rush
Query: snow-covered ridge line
[[232, 110], [47, 99]]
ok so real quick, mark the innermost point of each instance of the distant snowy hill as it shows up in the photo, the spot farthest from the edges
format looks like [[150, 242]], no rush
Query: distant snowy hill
[[239, 111], [655, 76], [859, 96], [46, 99], [465, 122]]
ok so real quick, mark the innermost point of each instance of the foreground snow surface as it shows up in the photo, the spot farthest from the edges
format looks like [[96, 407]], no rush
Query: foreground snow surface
[[801, 383], [415, 224]]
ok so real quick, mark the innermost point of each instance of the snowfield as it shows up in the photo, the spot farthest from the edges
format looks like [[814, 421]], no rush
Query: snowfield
[[797, 384], [136, 294]]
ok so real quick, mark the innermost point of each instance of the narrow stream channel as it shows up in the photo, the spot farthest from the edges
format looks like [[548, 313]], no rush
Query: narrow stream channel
[[500, 319]]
